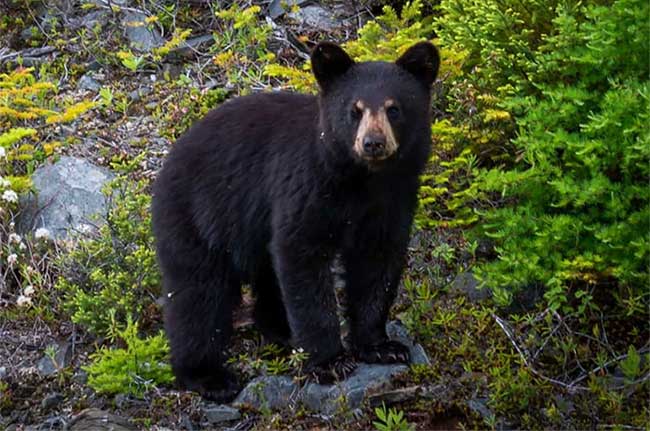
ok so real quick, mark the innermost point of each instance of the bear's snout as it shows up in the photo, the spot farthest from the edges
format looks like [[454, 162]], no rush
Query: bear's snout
[[374, 145], [375, 139]]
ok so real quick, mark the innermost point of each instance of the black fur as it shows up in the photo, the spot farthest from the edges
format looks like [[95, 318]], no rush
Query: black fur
[[266, 190]]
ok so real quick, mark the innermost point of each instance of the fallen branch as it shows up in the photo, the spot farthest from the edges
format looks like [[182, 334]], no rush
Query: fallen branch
[[27, 53]]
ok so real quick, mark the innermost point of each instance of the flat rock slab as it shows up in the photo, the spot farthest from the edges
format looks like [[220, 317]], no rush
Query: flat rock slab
[[220, 413], [68, 197], [268, 392], [350, 393], [99, 420], [142, 37], [281, 392]]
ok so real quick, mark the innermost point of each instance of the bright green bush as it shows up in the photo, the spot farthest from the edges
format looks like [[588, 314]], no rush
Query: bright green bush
[[133, 370], [573, 193], [113, 275]]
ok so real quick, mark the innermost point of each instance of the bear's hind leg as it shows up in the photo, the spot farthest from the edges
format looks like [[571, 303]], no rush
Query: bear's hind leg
[[198, 322], [269, 313]]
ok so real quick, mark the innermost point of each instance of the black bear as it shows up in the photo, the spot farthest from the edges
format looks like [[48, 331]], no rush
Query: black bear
[[268, 188]]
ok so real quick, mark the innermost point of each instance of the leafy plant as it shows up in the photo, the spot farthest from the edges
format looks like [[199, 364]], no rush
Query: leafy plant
[[138, 367], [113, 274], [391, 420], [573, 183]]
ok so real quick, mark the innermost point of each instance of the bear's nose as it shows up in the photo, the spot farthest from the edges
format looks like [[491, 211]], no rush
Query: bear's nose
[[374, 144]]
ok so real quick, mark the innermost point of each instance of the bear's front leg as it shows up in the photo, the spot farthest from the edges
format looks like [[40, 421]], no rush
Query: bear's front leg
[[308, 295], [372, 278]]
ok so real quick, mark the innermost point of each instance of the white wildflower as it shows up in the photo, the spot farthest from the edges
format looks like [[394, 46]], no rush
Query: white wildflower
[[29, 290], [23, 301], [22, 246], [42, 233], [15, 238], [12, 258], [3, 153], [4, 183], [10, 196]]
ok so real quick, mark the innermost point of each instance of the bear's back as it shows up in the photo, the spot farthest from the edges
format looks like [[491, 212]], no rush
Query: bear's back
[[218, 175]]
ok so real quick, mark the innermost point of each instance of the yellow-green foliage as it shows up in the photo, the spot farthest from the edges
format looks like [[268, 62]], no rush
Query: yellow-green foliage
[[27, 109], [140, 366], [385, 38], [241, 48]]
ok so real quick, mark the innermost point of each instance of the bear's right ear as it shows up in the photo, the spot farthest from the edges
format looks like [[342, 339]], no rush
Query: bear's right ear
[[328, 62], [422, 61]]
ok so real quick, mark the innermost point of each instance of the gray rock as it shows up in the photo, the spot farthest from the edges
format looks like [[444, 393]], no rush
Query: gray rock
[[3, 372], [479, 406], [94, 419], [136, 95], [68, 197], [86, 82], [316, 17], [467, 284], [220, 413], [397, 332], [29, 32], [91, 19], [80, 377], [350, 393], [278, 8], [49, 365], [280, 392], [188, 46], [141, 36], [51, 401], [268, 392]]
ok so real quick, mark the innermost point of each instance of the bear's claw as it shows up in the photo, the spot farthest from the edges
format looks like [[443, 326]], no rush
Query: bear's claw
[[336, 369], [387, 352]]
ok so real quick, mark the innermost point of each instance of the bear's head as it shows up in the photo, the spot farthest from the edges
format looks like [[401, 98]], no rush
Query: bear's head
[[377, 113]]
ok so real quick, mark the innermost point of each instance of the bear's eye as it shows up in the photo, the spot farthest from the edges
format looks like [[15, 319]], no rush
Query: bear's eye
[[356, 113], [392, 112]]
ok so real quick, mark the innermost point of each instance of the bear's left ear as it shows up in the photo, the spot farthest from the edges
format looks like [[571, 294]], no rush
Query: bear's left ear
[[422, 61], [328, 62]]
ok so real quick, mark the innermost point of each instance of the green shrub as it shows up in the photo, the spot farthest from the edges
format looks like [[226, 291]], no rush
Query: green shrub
[[134, 369], [574, 182], [30, 112], [114, 274]]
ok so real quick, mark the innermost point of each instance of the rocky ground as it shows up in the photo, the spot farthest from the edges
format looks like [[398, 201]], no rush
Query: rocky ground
[[40, 362], [466, 359]]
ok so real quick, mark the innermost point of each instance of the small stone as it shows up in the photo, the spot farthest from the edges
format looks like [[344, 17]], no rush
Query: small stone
[[94, 419], [467, 284], [189, 46], [86, 82], [316, 17], [48, 365], [397, 332], [121, 400], [272, 392], [3, 372], [220, 413], [136, 95], [419, 355], [142, 37], [479, 406], [80, 377], [94, 18], [51, 401], [278, 8]]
